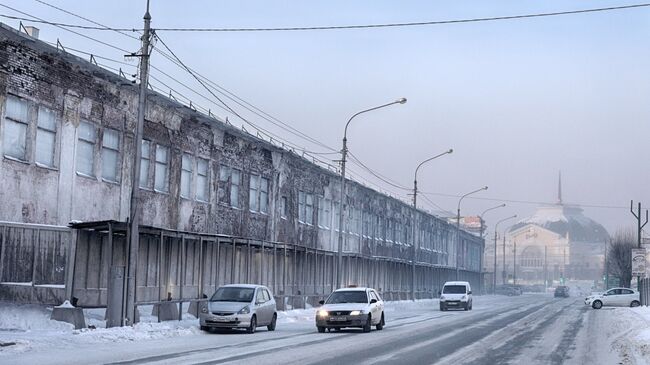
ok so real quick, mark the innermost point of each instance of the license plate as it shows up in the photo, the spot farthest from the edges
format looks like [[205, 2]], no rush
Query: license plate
[[452, 303], [221, 319], [338, 319]]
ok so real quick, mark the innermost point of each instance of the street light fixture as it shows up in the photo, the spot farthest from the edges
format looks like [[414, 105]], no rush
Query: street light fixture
[[494, 278], [415, 180], [415, 208], [344, 153], [480, 268], [458, 228]]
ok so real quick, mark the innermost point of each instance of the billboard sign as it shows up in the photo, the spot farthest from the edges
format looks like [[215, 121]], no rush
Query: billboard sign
[[638, 262]]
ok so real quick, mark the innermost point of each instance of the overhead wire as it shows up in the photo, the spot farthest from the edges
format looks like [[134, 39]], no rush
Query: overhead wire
[[221, 89], [408, 24], [344, 27], [69, 30], [229, 109]]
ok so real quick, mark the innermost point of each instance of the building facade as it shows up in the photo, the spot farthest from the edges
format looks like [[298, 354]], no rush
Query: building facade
[[67, 148]]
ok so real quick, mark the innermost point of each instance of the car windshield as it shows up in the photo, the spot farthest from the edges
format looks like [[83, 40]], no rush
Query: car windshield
[[453, 289], [347, 297], [233, 294]]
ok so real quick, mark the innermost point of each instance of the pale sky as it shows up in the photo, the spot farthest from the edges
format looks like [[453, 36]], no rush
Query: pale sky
[[517, 100]]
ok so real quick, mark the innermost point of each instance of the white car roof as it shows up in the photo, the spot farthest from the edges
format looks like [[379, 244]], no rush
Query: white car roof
[[354, 289], [251, 286], [457, 283]]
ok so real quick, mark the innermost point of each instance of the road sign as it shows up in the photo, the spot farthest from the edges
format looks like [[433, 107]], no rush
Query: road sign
[[638, 262]]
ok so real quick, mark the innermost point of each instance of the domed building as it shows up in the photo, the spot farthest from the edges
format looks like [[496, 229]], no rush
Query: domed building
[[555, 244]]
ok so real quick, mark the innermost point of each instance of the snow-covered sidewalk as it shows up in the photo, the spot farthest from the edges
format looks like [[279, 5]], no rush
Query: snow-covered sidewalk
[[28, 327]]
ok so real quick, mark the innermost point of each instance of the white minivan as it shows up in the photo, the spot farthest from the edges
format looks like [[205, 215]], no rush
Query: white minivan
[[456, 294]]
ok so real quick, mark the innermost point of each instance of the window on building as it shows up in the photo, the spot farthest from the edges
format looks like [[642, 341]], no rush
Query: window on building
[[187, 174], [264, 195], [301, 207], [305, 208], [110, 154], [45, 137], [145, 150], [224, 173], [187, 170], [15, 128], [202, 180], [86, 149], [309, 209], [161, 181], [253, 198], [324, 212], [235, 180], [283, 207]]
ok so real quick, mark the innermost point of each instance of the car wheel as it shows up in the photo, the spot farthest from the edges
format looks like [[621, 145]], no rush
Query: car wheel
[[380, 325], [597, 304], [635, 303], [271, 327], [205, 328], [442, 308], [253, 325], [471, 305], [366, 327], [321, 329], [466, 307]]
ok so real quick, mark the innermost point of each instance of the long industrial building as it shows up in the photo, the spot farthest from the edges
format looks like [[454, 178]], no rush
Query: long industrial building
[[219, 204]]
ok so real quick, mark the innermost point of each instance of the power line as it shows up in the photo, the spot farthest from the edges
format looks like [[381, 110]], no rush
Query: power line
[[343, 27], [104, 27], [37, 20], [376, 174], [222, 90], [67, 30], [524, 201], [410, 24]]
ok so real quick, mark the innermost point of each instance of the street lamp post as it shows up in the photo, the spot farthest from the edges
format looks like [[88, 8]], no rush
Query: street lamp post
[[344, 153], [496, 226], [415, 212], [480, 217], [458, 228]]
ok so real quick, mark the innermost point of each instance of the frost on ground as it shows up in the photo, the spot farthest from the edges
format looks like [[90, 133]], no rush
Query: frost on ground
[[633, 339], [30, 327]]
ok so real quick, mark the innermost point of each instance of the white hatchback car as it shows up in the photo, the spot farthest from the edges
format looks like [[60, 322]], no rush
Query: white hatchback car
[[240, 306], [351, 307], [616, 297]]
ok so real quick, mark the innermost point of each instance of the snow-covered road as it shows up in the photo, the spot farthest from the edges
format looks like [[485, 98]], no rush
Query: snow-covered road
[[531, 329]]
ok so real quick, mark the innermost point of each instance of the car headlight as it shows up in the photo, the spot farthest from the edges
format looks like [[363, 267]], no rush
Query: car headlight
[[244, 310], [464, 297], [204, 309], [322, 313], [356, 313], [442, 297]]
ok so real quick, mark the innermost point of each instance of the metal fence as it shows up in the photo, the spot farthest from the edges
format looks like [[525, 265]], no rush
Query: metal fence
[[48, 264], [33, 262]]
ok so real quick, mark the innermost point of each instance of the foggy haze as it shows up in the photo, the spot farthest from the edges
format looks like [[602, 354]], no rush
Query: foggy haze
[[517, 100]]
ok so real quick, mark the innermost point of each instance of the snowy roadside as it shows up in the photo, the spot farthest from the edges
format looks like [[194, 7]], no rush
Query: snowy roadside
[[29, 328], [633, 338]]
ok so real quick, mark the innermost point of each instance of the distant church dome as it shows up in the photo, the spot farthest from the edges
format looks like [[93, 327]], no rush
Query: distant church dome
[[566, 219]]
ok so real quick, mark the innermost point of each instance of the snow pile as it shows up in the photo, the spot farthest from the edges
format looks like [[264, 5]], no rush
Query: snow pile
[[630, 334], [25, 318]]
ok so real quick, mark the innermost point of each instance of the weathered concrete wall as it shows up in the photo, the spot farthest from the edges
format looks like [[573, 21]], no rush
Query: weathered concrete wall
[[376, 225]]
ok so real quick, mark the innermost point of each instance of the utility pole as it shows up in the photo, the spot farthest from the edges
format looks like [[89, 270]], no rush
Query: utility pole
[[494, 275], [607, 266], [545, 268], [514, 264], [639, 228], [134, 219], [503, 272]]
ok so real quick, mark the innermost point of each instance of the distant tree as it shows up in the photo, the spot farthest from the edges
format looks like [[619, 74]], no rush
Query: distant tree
[[619, 256]]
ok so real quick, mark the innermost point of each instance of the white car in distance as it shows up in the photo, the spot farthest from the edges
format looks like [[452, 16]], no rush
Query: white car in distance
[[616, 297]]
